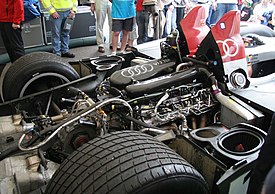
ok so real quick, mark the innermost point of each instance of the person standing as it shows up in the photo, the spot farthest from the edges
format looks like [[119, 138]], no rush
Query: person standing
[[11, 17], [182, 6], [61, 11], [263, 12], [142, 22], [171, 18], [240, 4], [102, 8], [123, 13], [246, 10], [221, 7]]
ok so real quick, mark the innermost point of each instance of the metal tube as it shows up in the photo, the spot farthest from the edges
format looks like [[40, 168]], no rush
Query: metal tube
[[234, 106], [115, 100]]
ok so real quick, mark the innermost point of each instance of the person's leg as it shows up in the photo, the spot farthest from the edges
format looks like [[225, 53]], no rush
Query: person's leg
[[115, 41], [164, 11], [65, 33], [132, 35], [17, 44], [131, 38], [146, 24], [168, 24], [150, 22], [130, 43], [109, 11], [210, 13], [180, 14], [162, 21], [55, 30], [174, 19], [116, 28], [230, 6], [141, 26], [127, 27], [100, 18], [124, 39], [220, 11], [265, 161], [12, 40], [4, 34]]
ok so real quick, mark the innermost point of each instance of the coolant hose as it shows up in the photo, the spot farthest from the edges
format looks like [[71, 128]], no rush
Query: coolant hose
[[226, 100], [209, 75], [234, 106], [8, 152]]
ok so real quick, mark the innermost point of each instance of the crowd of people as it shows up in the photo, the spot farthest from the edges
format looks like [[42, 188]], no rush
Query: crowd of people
[[154, 19], [129, 20], [261, 12]]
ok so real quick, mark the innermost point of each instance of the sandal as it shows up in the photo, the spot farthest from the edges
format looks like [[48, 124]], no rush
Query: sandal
[[101, 49], [130, 48]]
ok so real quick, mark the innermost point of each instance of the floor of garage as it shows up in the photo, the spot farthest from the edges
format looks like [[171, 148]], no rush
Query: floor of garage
[[149, 48]]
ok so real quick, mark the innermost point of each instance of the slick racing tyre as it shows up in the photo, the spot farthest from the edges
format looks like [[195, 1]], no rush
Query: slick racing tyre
[[126, 162], [36, 72]]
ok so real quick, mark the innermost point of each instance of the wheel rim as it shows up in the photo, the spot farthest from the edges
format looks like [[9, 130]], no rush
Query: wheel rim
[[50, 80]]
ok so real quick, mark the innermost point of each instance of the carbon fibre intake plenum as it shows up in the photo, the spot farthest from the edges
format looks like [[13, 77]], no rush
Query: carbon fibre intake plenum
[[160, 83]]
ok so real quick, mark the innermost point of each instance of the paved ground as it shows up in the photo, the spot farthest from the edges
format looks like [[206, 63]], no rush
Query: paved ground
[[150, 48]]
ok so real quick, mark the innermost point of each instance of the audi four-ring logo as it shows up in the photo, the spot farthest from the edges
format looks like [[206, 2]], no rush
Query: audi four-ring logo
[[230, 47], [137, 70]]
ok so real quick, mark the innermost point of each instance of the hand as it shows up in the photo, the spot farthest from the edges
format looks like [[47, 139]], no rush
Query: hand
[[15, 26], [214, 6], [171, 7], [55, 15], [266, 14], [92, 8], [72, 14]]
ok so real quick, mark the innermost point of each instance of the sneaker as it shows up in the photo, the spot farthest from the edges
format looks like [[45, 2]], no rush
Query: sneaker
[[68, 55], [58, 54]]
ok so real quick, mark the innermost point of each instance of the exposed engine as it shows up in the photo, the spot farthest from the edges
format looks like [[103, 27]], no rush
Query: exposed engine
[[174, 95], [173, 105]]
